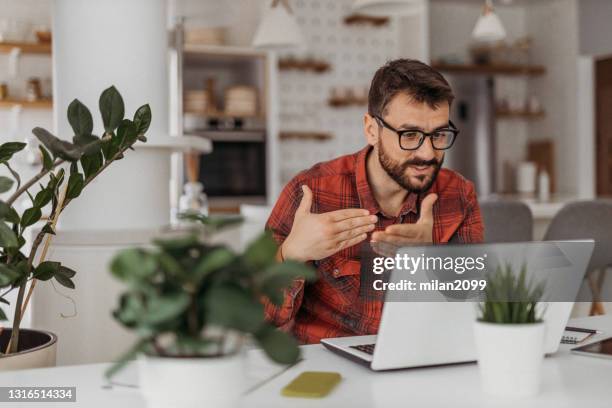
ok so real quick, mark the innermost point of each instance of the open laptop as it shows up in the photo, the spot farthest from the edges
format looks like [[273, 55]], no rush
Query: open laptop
[[428, 332]]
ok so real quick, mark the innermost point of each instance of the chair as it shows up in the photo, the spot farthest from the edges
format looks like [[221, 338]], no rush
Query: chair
[[506, 221], [587, 220]]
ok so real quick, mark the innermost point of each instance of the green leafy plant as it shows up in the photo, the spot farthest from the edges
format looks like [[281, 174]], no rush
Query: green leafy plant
[[186, 297], [67, 168], [511, 298]]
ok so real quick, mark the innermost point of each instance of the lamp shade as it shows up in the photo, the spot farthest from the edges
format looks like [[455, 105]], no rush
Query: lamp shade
[[388, 8], [278, 29], [489, 27]]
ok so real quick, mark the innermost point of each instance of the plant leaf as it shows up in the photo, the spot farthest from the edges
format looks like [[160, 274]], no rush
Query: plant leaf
[[111, 108], [5, 184], [75, 185], [48, 229], [125, 358], [89, 144], [30, 216], [214, 260], [92, 163], [142, 119], [4, 210], [261, 252], [233, 307], [133, 265], [43, 197], [46, 270], [59, 148], [8, 239], [7, 275], [64, 281], [47, 161], [80, 118], [278, 345], [7, 150], [168, 307]]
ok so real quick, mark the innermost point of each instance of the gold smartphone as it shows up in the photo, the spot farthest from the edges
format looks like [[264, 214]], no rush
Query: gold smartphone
[[312, 384]]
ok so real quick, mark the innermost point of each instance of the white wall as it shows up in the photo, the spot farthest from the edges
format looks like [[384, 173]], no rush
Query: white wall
[[554, 28], [451, 25]]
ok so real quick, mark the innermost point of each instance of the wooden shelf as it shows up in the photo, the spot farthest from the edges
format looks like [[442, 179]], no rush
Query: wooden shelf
[[361, 19], [316, 66], [26, 47], [346, 102], [317, 136], [492, 69], [238, 136], [505, 114], [40, 104]]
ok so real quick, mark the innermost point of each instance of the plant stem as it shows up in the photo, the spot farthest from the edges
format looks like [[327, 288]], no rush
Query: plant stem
[[31, 182], [13, 344], [53, 218]]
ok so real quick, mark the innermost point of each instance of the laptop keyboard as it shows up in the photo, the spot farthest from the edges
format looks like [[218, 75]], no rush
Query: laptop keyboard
[[366, 348]]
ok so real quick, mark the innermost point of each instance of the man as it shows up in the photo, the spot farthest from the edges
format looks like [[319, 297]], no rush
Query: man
[[394, 191]]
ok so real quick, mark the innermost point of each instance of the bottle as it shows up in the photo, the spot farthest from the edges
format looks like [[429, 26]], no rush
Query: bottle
[[193, 200], [543, 185]]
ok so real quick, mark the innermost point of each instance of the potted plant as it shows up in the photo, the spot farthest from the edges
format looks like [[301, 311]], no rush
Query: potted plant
[[192, 305], [509, 334], [66, 169]]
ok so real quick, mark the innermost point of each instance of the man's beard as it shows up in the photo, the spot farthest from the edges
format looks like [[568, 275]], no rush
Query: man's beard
[[397, 171]]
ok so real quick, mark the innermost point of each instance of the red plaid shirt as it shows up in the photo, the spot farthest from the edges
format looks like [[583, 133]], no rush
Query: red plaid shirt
[[332, 306]]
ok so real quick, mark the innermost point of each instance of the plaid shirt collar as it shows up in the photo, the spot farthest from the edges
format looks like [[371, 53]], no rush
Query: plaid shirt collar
[[366, 198]]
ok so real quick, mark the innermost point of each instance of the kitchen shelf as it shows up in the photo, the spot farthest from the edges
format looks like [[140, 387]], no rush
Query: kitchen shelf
[[316, 66], [346, 102], [258, 136], [26, 47], [40, 104], [361, 19], [527, 115], [491, 69], [318, 136]]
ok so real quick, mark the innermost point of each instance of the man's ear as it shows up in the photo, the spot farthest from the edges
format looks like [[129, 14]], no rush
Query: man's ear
[[370, 129]]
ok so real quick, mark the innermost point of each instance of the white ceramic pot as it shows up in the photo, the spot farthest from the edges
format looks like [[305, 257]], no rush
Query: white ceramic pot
[[510, 358], [191, 382], [37, 349]]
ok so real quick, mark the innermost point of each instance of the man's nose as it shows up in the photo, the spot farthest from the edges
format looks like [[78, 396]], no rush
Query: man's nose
[[426, 150]]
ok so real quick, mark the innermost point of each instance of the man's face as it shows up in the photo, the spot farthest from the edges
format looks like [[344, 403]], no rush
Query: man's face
[[414, 170]]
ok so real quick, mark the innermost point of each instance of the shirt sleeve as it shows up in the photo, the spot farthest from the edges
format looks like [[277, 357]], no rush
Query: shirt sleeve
[[471, 229], [280, 223]]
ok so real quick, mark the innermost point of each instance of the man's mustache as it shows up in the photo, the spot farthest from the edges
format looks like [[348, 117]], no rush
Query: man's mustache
[[420, 162]]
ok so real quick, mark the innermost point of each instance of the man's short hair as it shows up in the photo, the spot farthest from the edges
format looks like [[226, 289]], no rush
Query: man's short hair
[[420, 81]]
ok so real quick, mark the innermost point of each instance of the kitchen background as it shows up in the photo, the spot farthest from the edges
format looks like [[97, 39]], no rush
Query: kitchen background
[[317, 92], [533, 108]]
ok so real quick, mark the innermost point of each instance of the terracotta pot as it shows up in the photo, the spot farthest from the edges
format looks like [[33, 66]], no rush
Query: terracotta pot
[[37, 349]]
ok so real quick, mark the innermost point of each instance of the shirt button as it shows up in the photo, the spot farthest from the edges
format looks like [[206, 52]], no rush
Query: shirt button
[[336, 272]]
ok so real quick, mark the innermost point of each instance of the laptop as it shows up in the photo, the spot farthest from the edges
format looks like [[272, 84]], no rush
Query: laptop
[[419, 330]]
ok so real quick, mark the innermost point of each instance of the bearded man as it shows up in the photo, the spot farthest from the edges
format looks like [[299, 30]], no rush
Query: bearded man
[[392, 192]]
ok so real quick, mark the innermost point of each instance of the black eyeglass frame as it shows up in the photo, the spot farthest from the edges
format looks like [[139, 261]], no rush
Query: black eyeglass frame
[[399, 133]]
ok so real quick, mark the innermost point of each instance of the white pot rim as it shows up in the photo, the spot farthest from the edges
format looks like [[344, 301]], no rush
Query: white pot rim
[[510, 325]]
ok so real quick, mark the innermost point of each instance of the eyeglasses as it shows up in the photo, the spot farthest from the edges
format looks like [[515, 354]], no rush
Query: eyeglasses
[[412, 139]]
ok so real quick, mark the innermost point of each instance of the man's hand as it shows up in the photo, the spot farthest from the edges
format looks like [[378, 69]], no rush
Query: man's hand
[[317, 236], [409, 234]]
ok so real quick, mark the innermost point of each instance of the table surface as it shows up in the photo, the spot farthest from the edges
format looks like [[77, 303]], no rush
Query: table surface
[[568, 381]]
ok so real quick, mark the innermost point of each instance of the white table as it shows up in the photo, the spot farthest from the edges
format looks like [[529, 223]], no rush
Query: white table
[[568, 381]]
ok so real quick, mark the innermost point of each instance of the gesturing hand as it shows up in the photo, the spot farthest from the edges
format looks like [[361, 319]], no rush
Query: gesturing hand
[[317, 236], [420, 232]]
